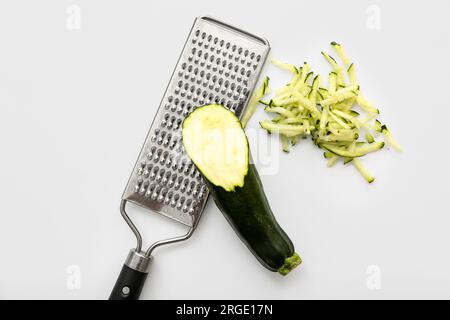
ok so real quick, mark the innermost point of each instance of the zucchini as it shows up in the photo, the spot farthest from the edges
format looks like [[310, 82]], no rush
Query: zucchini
[[312, 96], [332, 82], [254, 101], [352, 75], [330, 60], [332, 161], [328, 155], [369, 137], [378, 126], [366, 105], [337, 69], [358, 152], [216, 143], [285, 66], [340, 95], [281, 111], [284, 143], [389, 139], [303, 109], [341, 53], [358, 165], [286, 129], [339, 120]]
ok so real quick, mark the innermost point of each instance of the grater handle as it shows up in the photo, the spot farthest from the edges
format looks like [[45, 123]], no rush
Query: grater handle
[[132, 277], [129, 284]]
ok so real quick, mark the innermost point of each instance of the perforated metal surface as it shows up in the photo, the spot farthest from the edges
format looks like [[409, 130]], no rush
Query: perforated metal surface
[[219, 64]]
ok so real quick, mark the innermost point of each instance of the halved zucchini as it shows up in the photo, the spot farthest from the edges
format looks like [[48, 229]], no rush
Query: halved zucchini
[[216, 143]]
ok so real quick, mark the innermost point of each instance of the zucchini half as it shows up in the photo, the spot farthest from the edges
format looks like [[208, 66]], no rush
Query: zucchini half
[[216, 143]]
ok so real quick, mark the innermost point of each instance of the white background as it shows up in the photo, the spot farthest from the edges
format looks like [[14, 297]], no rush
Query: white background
[[76, 106]]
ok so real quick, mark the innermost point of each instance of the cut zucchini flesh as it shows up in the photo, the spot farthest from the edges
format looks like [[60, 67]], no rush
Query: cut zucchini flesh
[[332, 82], [377, 126], [369, 137], [340, 95], [358, 165], [284, 142], [217, 145], [285, 66], [352, 75], [254, 101], [366, 105], [286, 129], [341, 53], [389, 139], [328, 155], [330, 59], [358, 152], [347, 117], [332, 161], [214, 140], [281, 111], [339, 119]]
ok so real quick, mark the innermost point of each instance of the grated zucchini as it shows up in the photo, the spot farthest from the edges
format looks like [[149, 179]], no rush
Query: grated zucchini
[[388, 137], [254, 101], [358, 165], [338, 118], [285, 66], [284, 142], [341, 53]]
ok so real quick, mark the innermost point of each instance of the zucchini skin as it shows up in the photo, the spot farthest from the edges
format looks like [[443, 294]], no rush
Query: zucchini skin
[[248, 212]]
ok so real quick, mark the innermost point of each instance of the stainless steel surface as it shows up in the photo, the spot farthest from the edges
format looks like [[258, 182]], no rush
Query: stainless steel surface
[[219, 64], [138, 261], [169, 241], [130, 223]]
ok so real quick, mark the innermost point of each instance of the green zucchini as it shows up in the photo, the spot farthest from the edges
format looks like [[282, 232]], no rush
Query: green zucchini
[[216, 143]]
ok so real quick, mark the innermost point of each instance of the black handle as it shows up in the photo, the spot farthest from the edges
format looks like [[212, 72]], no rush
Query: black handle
[[129, 284]]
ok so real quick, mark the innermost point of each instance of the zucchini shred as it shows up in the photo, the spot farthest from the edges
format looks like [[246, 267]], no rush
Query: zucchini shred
[[339, 119]]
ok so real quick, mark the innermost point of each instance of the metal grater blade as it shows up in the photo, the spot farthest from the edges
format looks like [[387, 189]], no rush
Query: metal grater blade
[[219, 64]]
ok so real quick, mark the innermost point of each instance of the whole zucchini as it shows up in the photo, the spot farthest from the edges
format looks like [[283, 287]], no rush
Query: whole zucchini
[[216, 143]]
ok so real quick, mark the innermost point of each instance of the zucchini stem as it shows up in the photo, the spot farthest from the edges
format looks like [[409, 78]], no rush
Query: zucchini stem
[[290, 263]]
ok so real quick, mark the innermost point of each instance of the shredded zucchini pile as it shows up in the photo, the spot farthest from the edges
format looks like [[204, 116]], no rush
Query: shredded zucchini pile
[[339, 119]]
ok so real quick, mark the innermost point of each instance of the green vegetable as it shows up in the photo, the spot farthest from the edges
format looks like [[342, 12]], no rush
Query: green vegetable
[[285, 66], [358, 152], [369, 137], [216, 143], [329, 116], [254, 101], [341, 53], [389, 139], [358, 165]]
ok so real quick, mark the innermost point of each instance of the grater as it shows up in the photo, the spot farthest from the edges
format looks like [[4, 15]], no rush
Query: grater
[[219, 64]]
